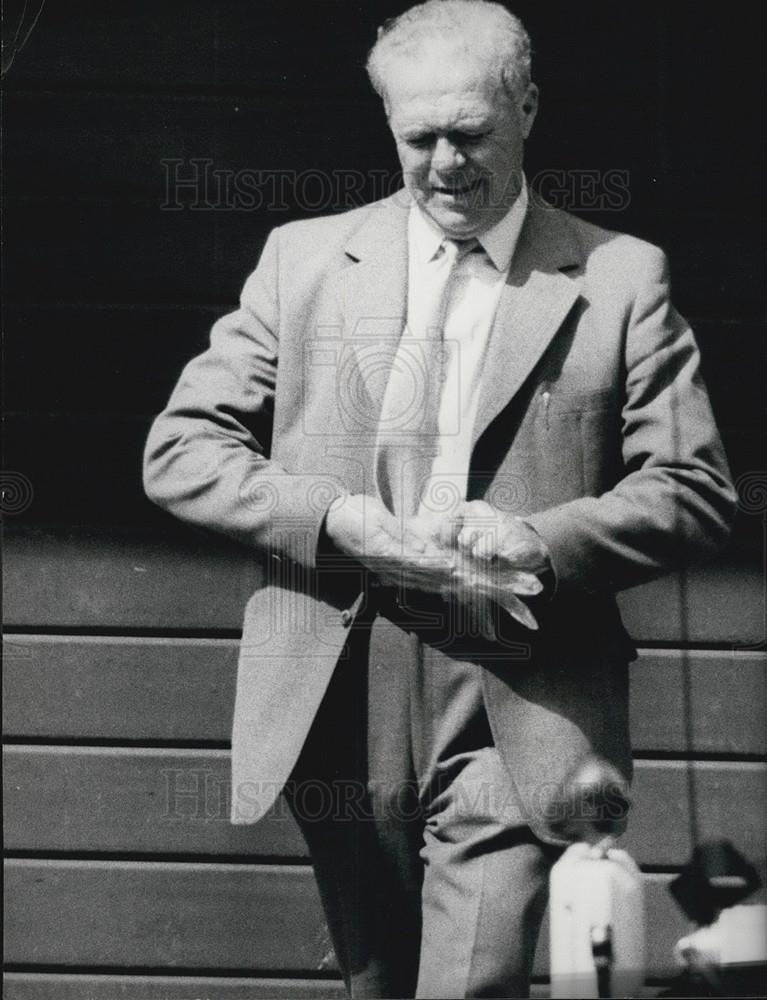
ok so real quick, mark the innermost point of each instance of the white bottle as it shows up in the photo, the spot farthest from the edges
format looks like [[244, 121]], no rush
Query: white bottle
[[597, 923]]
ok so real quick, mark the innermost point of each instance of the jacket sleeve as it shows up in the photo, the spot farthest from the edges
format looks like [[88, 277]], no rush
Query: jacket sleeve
[[675, 502], [207, 456]]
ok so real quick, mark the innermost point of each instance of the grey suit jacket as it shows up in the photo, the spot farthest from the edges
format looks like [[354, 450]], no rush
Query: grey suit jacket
[[593, 423]]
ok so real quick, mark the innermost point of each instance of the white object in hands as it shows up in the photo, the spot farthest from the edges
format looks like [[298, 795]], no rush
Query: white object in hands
[[596, 893]]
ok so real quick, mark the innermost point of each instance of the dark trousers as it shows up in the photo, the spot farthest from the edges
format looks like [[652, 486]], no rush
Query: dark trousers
[[432, 883]]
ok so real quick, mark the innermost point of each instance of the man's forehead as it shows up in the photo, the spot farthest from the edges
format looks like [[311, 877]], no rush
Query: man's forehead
[[440, 96], [442, 112]]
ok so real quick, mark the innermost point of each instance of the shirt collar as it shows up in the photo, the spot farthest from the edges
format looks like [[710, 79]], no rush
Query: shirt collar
[[498, 243]]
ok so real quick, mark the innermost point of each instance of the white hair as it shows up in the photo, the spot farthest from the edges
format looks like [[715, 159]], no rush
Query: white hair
[[477, 26]]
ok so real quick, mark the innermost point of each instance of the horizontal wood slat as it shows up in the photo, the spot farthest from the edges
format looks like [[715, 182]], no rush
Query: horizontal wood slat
[[116, 799], [55, 986], [730, 801], [73, 687], [78, 578], [177, 802], [727, 701], [119, 688], [719, 602], [234, 917], [94, 579], [153, 914]]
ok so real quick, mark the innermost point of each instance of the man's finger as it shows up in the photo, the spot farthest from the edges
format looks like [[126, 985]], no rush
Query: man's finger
[[519, 611], [468, 536], [485, 545], [519, 582]]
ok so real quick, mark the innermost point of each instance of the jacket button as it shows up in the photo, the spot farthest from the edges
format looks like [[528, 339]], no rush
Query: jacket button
[[346, 618]]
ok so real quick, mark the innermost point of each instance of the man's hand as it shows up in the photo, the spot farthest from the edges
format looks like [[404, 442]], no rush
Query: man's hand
[[436, 555], [401, 554], [511, 554], [490, 535]]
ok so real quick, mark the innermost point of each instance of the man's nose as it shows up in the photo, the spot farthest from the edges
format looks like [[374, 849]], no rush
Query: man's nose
[[446, 155]]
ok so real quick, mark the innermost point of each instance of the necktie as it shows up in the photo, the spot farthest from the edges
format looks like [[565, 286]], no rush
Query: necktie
[[408, 428]]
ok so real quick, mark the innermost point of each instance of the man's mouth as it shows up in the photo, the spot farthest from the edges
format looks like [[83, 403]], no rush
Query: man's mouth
[[457, 190]]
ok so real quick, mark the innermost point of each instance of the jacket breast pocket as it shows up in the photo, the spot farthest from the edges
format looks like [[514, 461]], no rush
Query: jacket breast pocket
[[578, 438], [556, 402]]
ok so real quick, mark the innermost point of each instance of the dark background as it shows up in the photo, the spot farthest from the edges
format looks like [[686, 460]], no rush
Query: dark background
[[108, 292]]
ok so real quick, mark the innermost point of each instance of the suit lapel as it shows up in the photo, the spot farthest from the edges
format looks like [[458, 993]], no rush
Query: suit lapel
[[541, 289], [372, 293]]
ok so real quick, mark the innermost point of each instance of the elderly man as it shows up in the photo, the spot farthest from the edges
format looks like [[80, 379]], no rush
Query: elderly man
[[451, 424]]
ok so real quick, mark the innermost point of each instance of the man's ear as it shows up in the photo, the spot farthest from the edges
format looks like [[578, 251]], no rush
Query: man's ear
[[529, 109]]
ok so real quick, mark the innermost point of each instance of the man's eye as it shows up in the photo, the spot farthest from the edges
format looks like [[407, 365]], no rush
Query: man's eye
[[420, 141], [470, 139]]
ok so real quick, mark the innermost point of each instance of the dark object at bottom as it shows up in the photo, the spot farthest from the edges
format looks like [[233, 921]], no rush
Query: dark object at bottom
[[718, 876]]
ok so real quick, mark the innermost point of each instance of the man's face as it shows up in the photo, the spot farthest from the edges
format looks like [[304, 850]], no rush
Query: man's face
[[459, 137]]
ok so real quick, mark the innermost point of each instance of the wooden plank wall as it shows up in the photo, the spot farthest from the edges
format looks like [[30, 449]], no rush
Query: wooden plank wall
[[123, 877]]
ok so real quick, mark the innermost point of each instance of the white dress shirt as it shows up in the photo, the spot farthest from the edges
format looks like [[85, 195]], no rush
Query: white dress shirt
[[474, 294]]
